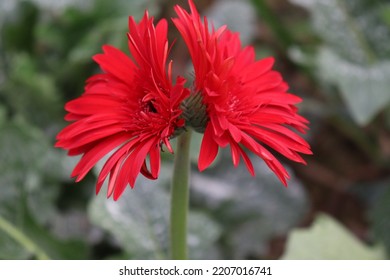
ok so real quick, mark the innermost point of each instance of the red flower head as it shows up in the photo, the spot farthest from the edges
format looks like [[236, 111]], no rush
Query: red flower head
[[130, 110], [245, 102]]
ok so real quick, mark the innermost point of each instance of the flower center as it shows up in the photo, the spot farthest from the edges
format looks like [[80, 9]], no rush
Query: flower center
[[148, 107]]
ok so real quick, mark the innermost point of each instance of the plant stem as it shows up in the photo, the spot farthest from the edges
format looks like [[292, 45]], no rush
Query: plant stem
[[22, 239], [180, 197]]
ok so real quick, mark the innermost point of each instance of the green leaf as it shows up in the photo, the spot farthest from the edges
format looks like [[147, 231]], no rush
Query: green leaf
[[31, 93], [354, 29], [356, 54], [365, 89], [27, 171], [326, 239], [252, 209], [139, 221], [30, 170]]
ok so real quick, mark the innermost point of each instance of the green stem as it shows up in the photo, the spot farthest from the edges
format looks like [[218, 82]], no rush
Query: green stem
[[180, 197], [22, 239]]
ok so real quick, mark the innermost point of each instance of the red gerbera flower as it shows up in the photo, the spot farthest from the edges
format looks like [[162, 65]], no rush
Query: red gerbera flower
[[130, 110], [245, 102]]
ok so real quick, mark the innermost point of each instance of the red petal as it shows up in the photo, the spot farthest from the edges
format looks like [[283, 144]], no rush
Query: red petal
[[113, 160], [268, 158], [91, 157], [131, 168], [117, 63], [155, 161], [235, 154], [208, 149], [247, 161], [255, 70], [235, 133], [114, 176]]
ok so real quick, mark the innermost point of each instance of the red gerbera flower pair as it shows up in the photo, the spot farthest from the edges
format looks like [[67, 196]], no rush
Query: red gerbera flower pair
[[133, 107]]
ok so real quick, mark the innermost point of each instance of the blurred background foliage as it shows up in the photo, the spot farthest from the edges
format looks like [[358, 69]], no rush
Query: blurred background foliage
[[333, 53]]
